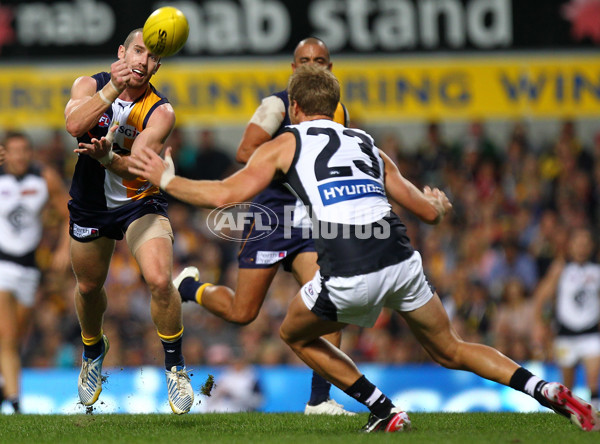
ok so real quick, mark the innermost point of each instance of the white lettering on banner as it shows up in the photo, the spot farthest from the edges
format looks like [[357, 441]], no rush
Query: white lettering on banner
[[63, 23], [396, 24], [224, 27]]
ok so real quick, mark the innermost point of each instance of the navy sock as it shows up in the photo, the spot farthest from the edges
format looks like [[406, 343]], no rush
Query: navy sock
[[173, 354], [188, 288], [366, 393], [93, 351], [319, 389]]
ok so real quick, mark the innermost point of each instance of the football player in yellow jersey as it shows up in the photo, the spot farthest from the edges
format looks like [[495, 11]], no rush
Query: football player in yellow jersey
[[259, 260], [109, 203]]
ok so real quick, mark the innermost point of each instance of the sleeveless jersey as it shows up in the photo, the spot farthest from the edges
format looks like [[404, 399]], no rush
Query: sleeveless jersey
[[338, 174], [22, 200], [578, 299], [96, 188], [277, 196]]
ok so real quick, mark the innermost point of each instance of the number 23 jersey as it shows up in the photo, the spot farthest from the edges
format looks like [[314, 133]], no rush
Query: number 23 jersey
[[338, 174]]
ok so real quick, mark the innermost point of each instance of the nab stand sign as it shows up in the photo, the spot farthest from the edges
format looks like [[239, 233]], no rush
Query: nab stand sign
[[95, 28]]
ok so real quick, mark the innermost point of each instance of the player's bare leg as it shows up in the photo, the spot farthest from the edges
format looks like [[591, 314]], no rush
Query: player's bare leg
[[14, 319], [304, 268], [240, 306], [568, 375], [431, 326], [592, 370], [90, 263], [302, 330], [155, 258]]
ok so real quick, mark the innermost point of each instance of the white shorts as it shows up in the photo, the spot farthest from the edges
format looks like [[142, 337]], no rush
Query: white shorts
[[359, 299], [21, 281], [569, 350]]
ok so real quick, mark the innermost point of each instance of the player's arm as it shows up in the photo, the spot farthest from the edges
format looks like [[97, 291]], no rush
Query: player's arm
[[85, 106], [58, 199], [429, 205], [266, 120], [543, 294], [546, 288], [272, 157], [158, 128]]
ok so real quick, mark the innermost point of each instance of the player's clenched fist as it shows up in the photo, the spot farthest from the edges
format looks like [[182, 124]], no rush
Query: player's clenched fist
[[120, 74]]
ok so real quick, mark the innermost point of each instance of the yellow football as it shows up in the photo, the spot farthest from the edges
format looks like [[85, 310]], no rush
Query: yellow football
[[166, 31]]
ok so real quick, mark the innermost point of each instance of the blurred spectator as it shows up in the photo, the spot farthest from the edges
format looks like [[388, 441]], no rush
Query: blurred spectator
[[237, 389], [513, 321], [511, 261], [210, 162]]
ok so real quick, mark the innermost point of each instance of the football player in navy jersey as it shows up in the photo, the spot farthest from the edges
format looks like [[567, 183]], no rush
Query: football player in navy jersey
[[287, 244], [26, 189], [344, 181], [109, 203]]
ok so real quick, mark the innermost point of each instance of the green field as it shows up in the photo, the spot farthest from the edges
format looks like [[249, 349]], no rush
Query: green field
[[245, 428]]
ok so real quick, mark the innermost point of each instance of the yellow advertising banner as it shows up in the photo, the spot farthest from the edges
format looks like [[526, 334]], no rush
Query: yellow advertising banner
[[375, 90]]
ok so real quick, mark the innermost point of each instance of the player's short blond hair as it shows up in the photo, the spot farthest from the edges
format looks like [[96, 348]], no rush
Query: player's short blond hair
[[315, 89]]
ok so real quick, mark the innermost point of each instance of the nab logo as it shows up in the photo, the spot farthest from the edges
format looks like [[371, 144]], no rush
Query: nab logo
[[228, 222], [104, 121]]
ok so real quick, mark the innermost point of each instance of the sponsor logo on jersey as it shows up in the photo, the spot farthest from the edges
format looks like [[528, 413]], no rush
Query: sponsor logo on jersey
[[342, 190], [269, 257], [85, 232], [104, 121]]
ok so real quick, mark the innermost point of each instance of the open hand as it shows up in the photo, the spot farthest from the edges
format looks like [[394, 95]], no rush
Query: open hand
[[149, 165], [99, 147]]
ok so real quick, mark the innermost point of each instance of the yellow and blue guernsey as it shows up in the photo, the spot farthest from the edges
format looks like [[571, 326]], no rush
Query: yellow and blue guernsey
[[94, 188]]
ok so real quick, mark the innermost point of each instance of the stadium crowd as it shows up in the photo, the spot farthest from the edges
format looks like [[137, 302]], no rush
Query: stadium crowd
[[514, 205]]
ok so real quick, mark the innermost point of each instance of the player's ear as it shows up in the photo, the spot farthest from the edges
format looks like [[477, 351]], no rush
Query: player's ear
[[156, 68], [121, 52]]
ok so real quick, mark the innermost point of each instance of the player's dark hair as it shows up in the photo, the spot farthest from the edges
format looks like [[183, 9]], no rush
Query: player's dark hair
[[130, 37], [315, 89], [16, 135]]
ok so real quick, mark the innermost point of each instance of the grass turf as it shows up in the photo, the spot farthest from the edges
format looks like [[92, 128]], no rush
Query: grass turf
[[264, 428]]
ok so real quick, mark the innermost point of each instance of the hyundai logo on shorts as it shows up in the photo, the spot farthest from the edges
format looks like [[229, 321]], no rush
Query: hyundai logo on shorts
[[228, 221]]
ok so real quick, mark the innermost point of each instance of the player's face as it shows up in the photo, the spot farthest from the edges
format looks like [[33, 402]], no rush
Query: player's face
[[142, 62], [311, 53], [581, 246], [18, 156]]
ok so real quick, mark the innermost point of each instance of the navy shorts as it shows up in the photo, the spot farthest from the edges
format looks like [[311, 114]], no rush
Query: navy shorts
[[282, 245], [86, 225]]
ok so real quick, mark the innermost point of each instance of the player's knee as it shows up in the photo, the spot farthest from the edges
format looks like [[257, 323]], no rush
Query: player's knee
[[89, 288], [159, 285], [447, 356], [243, 318]]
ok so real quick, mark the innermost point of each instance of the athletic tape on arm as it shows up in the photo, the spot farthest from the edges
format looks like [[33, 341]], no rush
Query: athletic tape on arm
[[269, 114]]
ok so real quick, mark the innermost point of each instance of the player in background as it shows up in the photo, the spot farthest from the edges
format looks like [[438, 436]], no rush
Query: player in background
[[108, 202], [26, 190], [259, 260], [370, 264], [573, 287]]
